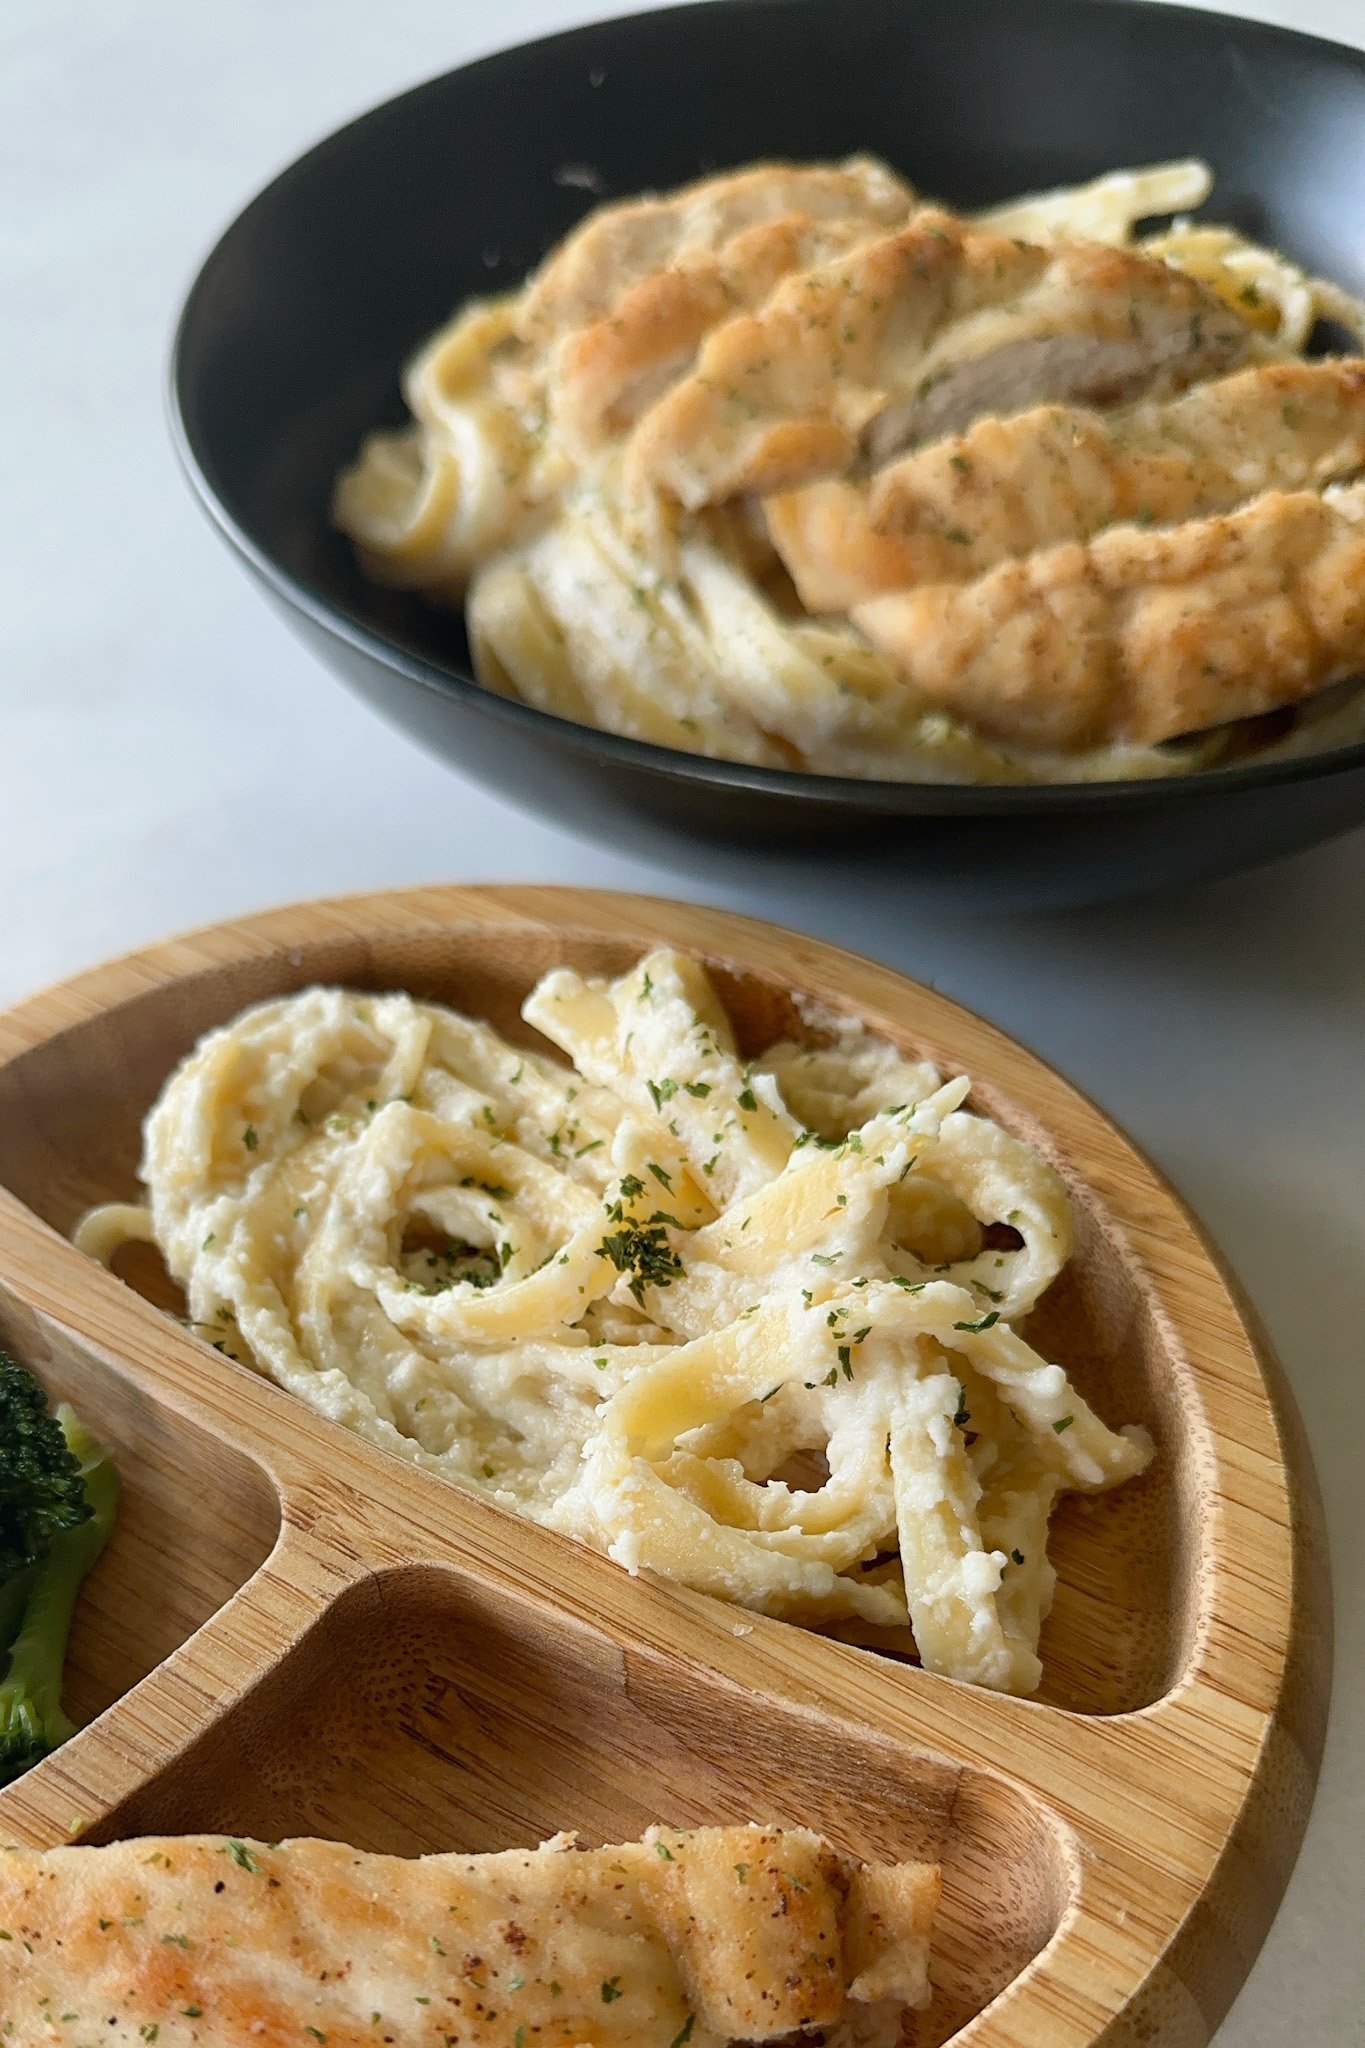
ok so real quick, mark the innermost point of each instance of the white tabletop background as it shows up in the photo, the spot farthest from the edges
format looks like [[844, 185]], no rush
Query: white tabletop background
[[171, 756]]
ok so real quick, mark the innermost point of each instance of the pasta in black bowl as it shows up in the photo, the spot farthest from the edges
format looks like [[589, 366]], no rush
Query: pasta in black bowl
[[748, 656]]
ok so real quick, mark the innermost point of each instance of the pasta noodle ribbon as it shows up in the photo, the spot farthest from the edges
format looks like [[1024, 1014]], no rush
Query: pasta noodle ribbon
[[734, 622], [738, 1322]]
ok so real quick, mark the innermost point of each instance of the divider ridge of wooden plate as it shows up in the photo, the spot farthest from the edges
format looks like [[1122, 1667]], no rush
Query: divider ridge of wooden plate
[[293, 1632]]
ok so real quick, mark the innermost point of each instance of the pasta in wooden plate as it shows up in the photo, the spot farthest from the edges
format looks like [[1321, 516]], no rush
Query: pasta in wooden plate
[[747, 1325]]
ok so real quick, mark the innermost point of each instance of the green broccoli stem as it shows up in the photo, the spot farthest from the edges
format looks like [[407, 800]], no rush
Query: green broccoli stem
[[31, 1719], [13, 1600]]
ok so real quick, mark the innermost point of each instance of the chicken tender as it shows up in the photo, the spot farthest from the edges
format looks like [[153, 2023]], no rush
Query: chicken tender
[[911, 336], [1141, 635], [949, 512], [740, 1933], [619, 245]]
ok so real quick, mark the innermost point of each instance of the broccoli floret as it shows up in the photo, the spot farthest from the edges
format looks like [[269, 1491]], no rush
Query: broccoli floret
[[37, 1603], [40, 1480]]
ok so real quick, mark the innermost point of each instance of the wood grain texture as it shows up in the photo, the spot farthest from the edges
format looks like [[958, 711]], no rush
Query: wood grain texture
[[409, 1668]]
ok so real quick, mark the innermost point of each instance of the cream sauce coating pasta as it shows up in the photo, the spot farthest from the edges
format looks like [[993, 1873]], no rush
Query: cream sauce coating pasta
[[741, 1324], [688, 633]]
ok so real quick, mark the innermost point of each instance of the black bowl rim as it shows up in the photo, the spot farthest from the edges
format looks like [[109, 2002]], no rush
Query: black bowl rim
[[874, 796]]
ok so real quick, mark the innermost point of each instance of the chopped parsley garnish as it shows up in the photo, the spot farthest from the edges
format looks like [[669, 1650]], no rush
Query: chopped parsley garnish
[[475, 1265], [643, 1251], [662, 1091], [697, 1088], [684, 2033], [242, 1856], [1065, 1423], [991, 1316], [611, 1988], [664, 1178], [249, 1138], [747, 1099], [664, 1851]]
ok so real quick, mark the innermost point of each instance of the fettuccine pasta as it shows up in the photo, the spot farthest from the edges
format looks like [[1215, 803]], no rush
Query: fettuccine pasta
[[577, 473], [747, 1325]]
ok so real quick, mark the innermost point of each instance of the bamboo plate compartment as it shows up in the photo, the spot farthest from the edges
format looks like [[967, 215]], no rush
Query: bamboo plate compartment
[[292, 1632]]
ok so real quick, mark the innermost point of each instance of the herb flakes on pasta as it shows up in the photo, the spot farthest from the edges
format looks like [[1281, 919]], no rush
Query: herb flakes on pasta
[[748, 1325]]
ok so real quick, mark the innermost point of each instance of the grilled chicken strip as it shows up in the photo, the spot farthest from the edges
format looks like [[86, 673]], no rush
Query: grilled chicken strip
[[604, 376], [618, 246], [1006, 487], [1142, 635], [913, 335], [625, 302], [702, 1938]]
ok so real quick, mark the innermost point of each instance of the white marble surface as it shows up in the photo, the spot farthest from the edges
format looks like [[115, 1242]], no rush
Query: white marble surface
[[171, 756]]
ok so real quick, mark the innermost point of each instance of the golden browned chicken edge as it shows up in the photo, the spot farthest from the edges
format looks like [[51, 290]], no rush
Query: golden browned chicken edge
[[686, 1939], [748, 469]]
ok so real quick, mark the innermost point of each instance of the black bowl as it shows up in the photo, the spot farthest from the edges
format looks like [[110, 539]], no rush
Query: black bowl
[[293, 335]]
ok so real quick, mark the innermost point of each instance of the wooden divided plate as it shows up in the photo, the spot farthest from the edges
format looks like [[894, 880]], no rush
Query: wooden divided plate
[[293, 1633]]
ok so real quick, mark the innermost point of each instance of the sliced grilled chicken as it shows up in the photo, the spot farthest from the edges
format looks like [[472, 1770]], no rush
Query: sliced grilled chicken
[[603, 376], [1102, 326], [617, 246], [1007, 487], [913, 335], [1142, 635]]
